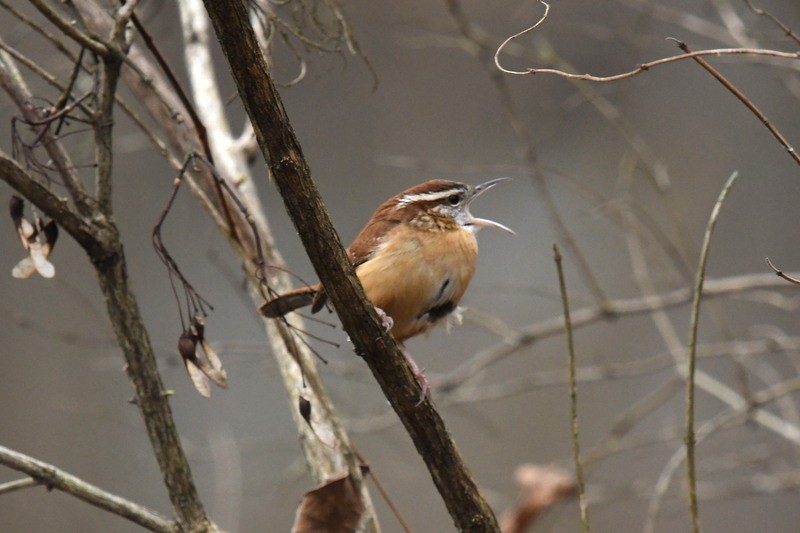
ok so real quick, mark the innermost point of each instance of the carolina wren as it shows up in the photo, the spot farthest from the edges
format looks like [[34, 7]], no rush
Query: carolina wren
[[415, 258]]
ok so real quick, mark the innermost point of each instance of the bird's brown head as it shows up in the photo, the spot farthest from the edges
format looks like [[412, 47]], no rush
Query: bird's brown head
[[438, 205]]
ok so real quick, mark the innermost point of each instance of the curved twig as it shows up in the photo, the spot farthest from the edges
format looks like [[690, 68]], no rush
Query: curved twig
[[782, 274], [658, 62], [638, 70], [692, 353]]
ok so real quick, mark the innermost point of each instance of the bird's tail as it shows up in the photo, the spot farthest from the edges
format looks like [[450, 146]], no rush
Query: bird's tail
[[290, 301]]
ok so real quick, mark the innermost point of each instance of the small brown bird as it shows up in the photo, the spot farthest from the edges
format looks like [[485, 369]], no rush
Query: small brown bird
[[415, 258]]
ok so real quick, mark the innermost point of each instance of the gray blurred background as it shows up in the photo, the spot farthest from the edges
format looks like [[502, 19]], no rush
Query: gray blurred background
[[436, 113]]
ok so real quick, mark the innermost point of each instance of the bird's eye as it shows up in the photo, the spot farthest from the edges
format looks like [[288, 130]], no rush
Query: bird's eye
[[454, 199]]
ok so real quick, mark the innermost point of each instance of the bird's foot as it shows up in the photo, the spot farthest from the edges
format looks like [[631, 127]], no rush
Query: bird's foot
[[386, 320], [419, 373]]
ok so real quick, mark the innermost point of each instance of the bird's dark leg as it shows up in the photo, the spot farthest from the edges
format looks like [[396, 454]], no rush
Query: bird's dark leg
[[419, 373]]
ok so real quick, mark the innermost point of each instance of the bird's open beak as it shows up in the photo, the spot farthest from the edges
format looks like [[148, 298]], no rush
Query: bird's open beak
[[482, 222]]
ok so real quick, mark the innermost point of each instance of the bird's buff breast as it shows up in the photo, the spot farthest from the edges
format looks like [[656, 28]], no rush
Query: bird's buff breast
[[415, 270]]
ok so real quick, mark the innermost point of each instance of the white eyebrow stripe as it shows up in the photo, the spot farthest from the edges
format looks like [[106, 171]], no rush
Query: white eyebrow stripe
[[425, 197]]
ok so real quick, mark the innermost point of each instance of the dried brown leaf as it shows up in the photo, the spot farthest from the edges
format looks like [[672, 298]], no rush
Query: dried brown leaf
[[335, 507], [540, 487]]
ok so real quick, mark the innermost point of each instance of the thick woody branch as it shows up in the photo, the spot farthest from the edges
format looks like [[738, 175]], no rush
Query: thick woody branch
[[55, 478], [92, 239], [281, 149], [101, 242], [151, 397], [100, 238], [103, 125]]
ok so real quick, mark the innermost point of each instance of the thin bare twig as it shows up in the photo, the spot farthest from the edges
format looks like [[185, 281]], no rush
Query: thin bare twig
[[744, 99], [73, 29], [638, 70], [782, 274], [762, 13], [19, 484], [655, 63], [692, 353], [573, 394]]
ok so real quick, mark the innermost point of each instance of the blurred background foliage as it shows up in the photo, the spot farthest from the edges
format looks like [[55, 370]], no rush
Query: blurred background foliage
[[631, 168]]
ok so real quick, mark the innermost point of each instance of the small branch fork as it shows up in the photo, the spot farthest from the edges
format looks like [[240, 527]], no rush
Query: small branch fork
[[54, 478], [53, 118]]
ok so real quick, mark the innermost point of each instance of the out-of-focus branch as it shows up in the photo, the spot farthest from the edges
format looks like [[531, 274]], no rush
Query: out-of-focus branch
[[467, 507], [617, 308], [323, 460], [55, 478], [72, 27]]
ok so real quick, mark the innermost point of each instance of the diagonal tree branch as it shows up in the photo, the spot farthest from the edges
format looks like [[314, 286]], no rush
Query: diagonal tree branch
[[281, 149], [89, 236]]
